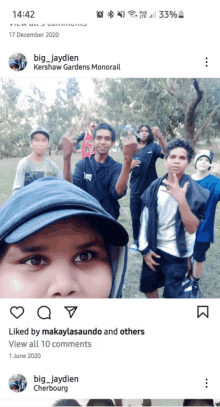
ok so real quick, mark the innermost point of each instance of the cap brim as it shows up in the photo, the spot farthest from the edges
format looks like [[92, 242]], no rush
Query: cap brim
[[108, 227]]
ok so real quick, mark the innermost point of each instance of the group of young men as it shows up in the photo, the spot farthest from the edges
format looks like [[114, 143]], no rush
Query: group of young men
[[66, 229]]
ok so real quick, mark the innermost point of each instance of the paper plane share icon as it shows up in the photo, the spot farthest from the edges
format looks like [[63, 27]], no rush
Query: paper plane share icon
[[71, 310]]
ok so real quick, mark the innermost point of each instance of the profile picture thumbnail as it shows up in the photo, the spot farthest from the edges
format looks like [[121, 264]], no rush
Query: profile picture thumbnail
[[17, 62], [17, 383]]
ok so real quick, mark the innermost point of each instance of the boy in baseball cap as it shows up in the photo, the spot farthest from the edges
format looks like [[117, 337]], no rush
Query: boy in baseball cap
[[14, 65], [36, 166], [57, 241], [14, 386], [206, 175]]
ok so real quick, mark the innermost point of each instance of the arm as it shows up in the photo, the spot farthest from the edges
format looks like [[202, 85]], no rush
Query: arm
[[129, 149], [147, 253], [157, 133], [67, 168], [19, 177], [68, 144], [190, 221], [123, 178], [143, 242], [79, 138]]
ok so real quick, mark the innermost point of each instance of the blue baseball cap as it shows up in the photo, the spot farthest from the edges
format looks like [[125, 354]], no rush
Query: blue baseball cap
[[13, 384], [11, 63], [48, 200], [40, 130]]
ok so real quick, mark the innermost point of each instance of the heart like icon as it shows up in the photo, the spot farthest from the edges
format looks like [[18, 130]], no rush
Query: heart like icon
[[17, 312]]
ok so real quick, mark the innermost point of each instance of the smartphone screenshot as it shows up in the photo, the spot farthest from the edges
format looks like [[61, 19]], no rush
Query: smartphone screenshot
[[109, 214]]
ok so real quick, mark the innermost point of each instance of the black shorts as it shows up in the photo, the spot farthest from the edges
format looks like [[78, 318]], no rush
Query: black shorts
[[200, 250], [172, 274]]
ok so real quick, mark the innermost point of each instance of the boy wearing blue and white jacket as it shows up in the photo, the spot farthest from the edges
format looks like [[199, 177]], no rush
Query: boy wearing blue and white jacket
[[205, 232], [174, 205]]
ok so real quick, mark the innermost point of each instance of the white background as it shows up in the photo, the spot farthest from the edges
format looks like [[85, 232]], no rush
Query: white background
[[155, 365], [178, 350]]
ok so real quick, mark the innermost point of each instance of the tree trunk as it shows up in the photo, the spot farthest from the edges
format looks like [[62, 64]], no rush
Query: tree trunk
[[190, 114]]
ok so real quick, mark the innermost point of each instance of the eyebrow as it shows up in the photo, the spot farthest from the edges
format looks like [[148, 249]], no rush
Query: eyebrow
[[37, 249], [32, 249], [95, 242], [181, 156]]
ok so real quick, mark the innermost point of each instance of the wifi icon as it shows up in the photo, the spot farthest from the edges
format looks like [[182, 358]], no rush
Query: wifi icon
[[132, 13]]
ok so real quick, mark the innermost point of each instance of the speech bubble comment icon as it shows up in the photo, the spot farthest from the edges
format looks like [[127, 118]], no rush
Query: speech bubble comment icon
[[44, 312], [17, 312]]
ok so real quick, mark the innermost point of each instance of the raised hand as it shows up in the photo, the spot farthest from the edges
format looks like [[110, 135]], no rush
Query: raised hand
[[215, 169], [175, 190], [68, 143], [156, 131], [130, 147]]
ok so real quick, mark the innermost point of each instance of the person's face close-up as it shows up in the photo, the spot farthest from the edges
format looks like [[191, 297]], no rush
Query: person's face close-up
[[177, 161], [14, 68], [103, 141], [65, 259], [144, 133], [39, 143], [202, 164]]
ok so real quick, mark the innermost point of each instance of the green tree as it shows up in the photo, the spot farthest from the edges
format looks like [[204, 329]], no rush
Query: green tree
[[166, 103], [61, 114]]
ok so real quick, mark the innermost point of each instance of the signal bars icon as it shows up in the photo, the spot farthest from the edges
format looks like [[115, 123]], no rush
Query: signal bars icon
[[153, 15]]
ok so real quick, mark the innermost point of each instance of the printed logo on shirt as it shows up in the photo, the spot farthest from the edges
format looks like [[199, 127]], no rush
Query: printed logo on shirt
[[149, 152], [88, 176]]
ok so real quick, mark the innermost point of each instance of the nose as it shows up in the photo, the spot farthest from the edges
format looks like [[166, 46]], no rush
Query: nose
[[62, 280]]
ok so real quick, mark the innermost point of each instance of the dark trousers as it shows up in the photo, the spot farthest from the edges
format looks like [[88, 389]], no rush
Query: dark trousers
[[172, 274], [135, 208]]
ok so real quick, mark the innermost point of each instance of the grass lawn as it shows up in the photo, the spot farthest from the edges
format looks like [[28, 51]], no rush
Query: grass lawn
[[210, 281]]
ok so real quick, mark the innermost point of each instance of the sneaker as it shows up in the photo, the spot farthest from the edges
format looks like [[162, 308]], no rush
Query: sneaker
[[195, 291], [134, 247]]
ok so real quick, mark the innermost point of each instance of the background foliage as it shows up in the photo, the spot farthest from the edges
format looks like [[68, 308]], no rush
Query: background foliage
[[121, 102]]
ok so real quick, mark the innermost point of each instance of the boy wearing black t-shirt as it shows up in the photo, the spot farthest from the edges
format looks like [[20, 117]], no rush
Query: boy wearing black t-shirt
[[99, 175]]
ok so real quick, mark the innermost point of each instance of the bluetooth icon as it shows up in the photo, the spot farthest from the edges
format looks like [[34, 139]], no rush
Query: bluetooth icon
[[110, 14]]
